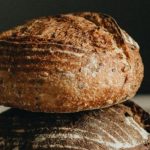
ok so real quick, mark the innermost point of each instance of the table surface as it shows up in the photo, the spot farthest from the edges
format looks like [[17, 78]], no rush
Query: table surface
[[141, 100]]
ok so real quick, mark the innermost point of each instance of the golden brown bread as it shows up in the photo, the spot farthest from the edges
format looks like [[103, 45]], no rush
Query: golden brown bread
[[121, 127], [68, 63]]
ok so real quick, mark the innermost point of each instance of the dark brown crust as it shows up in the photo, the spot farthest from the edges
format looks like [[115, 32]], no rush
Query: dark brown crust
[[142, 117], [23, 130], [68, 63]]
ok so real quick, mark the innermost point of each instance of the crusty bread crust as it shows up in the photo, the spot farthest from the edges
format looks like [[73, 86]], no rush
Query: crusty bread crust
[[113, 128], [68, 63]]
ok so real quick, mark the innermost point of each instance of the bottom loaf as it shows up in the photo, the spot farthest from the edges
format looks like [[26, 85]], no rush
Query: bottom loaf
[[122, 127]]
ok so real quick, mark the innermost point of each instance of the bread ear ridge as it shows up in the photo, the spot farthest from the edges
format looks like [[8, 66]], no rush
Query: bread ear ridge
[[105, 21]]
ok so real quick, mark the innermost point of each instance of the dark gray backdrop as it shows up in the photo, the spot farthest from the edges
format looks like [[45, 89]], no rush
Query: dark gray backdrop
[[132, 15]]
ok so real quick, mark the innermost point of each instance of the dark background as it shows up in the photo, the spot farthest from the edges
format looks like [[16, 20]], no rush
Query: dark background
[[132, 15]]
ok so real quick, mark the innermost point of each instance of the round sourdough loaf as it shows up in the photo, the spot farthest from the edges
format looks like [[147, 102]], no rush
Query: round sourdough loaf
[[68, 63], [120, 127]]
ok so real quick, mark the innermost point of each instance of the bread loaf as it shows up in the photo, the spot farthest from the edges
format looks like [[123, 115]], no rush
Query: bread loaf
[[68, 63], [121, 127]]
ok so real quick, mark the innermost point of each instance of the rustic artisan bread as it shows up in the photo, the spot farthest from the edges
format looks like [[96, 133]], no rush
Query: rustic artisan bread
[[68, 63], [123, 126]]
